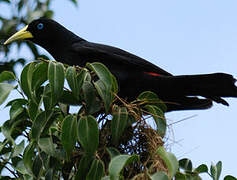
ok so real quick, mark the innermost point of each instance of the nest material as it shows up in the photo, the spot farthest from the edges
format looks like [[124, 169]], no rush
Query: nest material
[[139, 139]]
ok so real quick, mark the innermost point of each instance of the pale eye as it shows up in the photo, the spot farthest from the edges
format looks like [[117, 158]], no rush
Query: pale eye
[[40, 26]]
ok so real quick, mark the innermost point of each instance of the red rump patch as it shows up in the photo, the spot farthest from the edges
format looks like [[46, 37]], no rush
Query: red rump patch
[[152, 74]]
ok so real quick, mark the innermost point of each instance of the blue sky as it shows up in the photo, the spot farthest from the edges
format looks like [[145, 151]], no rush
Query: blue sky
[[183, 37]]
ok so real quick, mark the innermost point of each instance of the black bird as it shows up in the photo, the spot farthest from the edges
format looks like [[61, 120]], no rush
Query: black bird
[[133, 73]]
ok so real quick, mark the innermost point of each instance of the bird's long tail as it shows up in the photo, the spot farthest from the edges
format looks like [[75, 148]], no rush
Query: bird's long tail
[[211, 86]]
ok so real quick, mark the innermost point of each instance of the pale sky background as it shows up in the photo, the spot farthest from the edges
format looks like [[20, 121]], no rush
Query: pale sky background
[[182, 37]]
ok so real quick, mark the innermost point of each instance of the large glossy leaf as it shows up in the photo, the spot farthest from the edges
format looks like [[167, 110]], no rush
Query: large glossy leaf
[[102, 72], [69, 133], [47, 98], [39, 75], [92, 104], [118, 163], [16, 110], [33, 110], [84, 166], [88, 134], [68, 98], [37, 165], [170, 161], [75, 80], [5, 90], [119, 122], [28, 157], [56, 79], [96, 171], [159, 118], [104, 84], [105, 93], [40, 122], [26, 79]]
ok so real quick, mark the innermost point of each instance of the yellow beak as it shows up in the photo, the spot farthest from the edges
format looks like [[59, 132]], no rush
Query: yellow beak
[[22, 34]]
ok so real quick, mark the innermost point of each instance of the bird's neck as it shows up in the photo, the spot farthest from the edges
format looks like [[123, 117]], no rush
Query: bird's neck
[[60, 44]]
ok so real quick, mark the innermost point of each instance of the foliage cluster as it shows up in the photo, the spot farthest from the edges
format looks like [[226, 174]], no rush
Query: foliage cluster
[[104, 138]]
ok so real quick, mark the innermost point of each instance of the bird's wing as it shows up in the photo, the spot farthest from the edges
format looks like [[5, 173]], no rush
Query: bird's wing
[[112, 55]]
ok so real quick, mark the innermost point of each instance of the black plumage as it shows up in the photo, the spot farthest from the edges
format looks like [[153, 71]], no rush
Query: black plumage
[[133, 73]]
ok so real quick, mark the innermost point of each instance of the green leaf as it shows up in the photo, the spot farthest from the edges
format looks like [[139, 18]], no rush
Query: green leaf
[[159, 118], [47, 98], [104, 84], [40, 122], [105, 94], [159, 176], [149, 97], [33, 110], [7, 76], [118, 163], [88, 134], [37, 165], [119, 122], [92, 104], [5, 90], [84, 166], [186, 164], [20, 167], [113, 152], [201, 169], [56, 79], [102, 72], [216, 170], [74, 2], [39, 75], [170, 161], [181, 176], [114, 84], [28, 157], [68, 98], [18, 149], [46, 145], [16, 110], [69, 133], [75, 81], [230, 178], [96, 170], [49, 174], [26, 79], [19, 101], [7, 129]]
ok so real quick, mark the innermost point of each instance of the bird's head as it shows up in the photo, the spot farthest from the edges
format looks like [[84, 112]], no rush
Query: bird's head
[[44, 32]]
